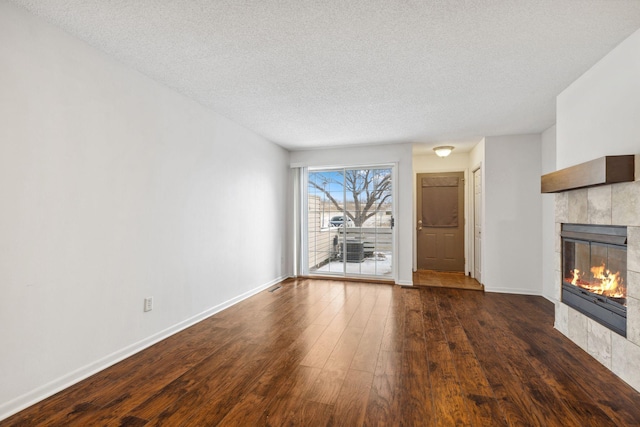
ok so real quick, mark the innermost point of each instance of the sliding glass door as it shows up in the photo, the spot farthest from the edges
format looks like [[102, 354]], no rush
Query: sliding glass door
[[350, 222]]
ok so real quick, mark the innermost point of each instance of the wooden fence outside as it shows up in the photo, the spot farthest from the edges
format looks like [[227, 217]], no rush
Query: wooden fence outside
[[321, 242]]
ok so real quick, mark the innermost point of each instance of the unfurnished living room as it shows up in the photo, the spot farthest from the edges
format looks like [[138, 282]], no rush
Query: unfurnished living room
[[416, 213]]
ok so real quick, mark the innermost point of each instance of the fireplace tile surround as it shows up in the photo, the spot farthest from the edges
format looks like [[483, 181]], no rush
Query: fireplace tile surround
[[615, 204]]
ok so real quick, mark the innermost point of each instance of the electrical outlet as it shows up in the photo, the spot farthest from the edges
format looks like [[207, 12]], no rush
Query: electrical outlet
[[148, 304]]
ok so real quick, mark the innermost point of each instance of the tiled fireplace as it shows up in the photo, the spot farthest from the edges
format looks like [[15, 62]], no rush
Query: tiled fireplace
[[613, 204]]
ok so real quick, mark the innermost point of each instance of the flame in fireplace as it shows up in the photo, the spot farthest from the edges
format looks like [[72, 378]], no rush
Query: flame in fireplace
[[603, 282], [576, 276], [608, 281]]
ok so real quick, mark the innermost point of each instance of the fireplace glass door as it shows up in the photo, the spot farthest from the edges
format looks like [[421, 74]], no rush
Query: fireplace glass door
[[596, 267], [594, 273]]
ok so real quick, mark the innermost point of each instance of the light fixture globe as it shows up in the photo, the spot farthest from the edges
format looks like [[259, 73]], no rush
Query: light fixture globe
[[443, 151]]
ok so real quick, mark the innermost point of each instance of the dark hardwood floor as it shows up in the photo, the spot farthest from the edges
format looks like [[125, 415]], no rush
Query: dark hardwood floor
[[320, 352]]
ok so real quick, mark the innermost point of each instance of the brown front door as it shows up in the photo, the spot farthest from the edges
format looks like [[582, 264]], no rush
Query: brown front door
[[441, 221]]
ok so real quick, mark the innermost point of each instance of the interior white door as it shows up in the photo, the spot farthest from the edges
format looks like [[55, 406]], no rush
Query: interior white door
[[477, 225]]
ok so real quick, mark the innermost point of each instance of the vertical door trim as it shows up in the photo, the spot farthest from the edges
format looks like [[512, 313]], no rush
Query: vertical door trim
[[475, 207], [394, 216], [302, 238]]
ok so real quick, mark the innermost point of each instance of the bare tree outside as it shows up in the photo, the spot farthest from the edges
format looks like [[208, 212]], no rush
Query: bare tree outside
[[368, 189]]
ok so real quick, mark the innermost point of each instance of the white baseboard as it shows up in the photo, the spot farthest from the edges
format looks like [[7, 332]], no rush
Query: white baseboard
[[30, 398], [404, 282], [516, 291]]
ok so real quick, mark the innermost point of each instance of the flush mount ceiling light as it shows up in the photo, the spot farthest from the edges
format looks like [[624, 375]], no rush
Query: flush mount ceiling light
[[443, 151]]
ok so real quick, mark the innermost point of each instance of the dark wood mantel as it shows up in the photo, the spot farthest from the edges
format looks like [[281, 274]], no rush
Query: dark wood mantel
[[605, 170]]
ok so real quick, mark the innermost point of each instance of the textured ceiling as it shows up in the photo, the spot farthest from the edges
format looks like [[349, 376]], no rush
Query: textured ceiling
[[308, 73]]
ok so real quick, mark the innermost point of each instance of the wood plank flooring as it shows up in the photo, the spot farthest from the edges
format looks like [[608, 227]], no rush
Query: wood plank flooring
[[320, 352], [440, 279]]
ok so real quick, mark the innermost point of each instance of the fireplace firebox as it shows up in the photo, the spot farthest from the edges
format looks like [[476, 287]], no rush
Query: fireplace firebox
[[594, 273]]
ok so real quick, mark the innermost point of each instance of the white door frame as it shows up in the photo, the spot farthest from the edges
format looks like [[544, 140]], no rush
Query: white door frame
[[477, 207]]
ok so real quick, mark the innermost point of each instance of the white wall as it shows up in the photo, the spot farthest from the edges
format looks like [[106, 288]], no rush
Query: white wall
[[380, 154], [115, 188], [548, 162], [458, 162], [512, 243], [476, 156], [598, 114]]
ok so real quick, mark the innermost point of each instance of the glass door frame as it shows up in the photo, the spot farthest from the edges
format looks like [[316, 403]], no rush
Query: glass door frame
[[303, 222]]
